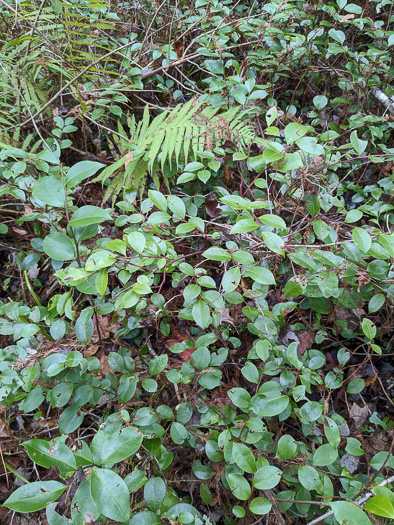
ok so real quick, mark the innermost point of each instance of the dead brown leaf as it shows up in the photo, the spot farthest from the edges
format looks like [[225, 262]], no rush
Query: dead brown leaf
[[359, 414], [346, 17], [178, 46], [211, 205], [306, 341]]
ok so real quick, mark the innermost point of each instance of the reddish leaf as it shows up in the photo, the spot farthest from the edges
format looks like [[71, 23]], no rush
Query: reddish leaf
[[178, 48]]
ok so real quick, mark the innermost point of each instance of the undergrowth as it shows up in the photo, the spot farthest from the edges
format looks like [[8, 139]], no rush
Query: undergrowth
[[197, 253]]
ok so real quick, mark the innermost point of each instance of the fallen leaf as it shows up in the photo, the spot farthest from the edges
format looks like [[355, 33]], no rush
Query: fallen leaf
[[370, 381], [359, 414], [33, 272], [225, 316], [349, 462], [289, 336], [346, 17], [4, 433], [178, 48], [19, 231], [211, 205], [306, 341]]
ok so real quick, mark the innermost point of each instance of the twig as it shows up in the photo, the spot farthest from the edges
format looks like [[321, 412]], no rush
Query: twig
[[148, 343], [381, 97]]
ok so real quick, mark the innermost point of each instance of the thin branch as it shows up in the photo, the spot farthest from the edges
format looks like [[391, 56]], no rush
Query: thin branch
[[381, 97]]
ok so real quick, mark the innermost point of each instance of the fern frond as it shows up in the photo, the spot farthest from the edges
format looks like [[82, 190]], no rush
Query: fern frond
[[176, 136]]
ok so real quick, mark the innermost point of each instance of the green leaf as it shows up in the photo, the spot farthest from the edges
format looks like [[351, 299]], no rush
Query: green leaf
[[260, 506], [274, 242], [257, 164], [387, 241], [376, 303], [177, 206], [380, 459], [261, 275], [146, 517], [33, 400], [381, 506], [59, 247], [70, 420], [155, 491], [243, 226], [81, 171], [127, 387], [239, 511], [49, 190], [244, 458], [250, 372], [356, 386], [231, 279], [273, 220], [34, 496], [266, 407], [243, 257], [353, 447], [136, 241], [84, 330], [54, 518], [337, 35], [205, 493], [295, 286], [325, 455], [358, 144], [83, 507], [267, 478], [294, 131], [217, 254], [110, 494], [158, 217], [191, 292], [369, 328], [240, 398], [271, 115], [180, 508], [309, 477], [201, 314], [117, 246], [178, 433], [312, 205], [120, 446], [157, 364], [331, 432], [87, 215], [310, 145], [202, 471], [101, 281], [158, 200], [353, 216], [320, 102], [49, 454], [287, 447], [362, 239], [215, 67], [349, 513], [239, 486], [58, 329], [135, 480]]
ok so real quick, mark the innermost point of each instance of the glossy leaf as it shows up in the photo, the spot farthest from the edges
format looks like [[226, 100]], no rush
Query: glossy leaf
[[34, 496]]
